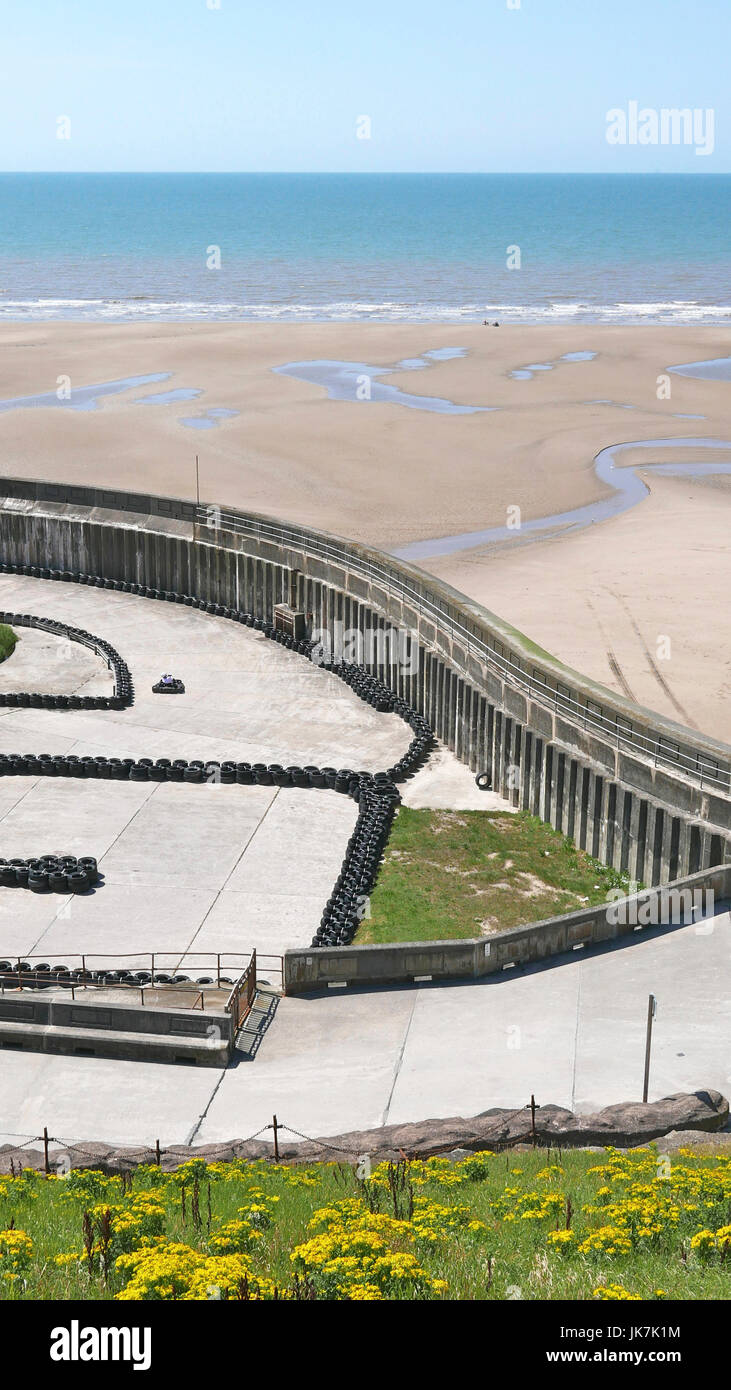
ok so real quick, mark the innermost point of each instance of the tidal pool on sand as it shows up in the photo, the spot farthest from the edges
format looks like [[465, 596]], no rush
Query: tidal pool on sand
[[81, 397], [357, 381], [627, 490]]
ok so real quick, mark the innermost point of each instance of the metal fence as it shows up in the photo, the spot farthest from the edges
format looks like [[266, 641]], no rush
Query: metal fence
[[241, 998], [221, 969], [617, 727]]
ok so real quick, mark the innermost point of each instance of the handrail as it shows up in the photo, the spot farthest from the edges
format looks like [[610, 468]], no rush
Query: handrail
[[15, 977], [241, 999], [699, 766]]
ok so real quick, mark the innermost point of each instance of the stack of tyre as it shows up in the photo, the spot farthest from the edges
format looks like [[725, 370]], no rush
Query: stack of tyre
[[367, 686], [44, 976], [54, 873], [420, 746], [378, 799]]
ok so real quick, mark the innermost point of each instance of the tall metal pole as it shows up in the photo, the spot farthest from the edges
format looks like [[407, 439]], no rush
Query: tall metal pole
[[197, 483], [651, 1011]]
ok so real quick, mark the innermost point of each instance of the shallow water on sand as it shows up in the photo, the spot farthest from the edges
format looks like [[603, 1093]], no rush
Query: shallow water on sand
[[81, 397], [357, 381], [526, 373], [210, 420], [715, 369], [86, 398], [628, 490]]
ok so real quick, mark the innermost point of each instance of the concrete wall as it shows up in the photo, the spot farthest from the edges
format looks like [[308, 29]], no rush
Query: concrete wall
[[412, 961], [639, 792], [34, 1022]]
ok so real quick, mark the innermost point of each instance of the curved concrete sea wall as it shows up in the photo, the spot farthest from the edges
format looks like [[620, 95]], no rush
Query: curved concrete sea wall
[[637, 791]]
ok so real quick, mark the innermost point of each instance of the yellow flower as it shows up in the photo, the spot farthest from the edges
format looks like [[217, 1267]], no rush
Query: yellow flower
[[608, 1292], [16, 1252], [560, 1239], [607, 1240]]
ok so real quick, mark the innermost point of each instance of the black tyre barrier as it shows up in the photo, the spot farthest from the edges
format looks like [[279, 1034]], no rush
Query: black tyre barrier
[[484, 781], [57, 873], [376, 794], [123, 692]]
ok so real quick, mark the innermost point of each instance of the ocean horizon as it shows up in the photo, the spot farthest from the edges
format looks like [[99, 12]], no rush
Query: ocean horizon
[[520, 248]]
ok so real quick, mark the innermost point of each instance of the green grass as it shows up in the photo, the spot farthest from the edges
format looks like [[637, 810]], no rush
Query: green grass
[[8, 639], [451, 875], [483, 1227]]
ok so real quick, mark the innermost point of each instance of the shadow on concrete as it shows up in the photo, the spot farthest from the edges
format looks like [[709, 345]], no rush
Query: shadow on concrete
[[256, 1026]]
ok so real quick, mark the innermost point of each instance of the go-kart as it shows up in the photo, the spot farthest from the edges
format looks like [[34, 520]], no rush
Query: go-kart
[[169, 685]]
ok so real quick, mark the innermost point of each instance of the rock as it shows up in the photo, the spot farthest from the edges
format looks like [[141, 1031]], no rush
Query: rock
[[694, 1139], [690, 1119]]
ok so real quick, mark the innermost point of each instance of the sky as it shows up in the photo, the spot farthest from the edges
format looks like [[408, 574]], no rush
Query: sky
[[283, 85]]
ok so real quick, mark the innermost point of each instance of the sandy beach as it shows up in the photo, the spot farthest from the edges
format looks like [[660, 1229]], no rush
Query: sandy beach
[[604, 598]]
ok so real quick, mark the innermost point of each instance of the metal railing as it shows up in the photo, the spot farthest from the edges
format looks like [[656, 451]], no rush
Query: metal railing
[[694, 764], [241, 998], [235, 969]]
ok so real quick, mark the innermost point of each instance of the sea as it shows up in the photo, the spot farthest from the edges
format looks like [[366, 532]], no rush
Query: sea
[[512, 248]]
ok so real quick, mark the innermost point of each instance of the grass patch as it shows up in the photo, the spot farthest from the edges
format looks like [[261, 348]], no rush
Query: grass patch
[[550, 1225], [451, 875], [8, 639]]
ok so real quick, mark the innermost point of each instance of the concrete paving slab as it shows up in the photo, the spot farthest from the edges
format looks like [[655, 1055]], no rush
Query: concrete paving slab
[[282, 920], [54, 665], [448, 785], [497, 1037], [120, 920], [35, 731], [70, 815], [298, 845], [97, 1098], [186, 836], [688, 972], [335, 1071]]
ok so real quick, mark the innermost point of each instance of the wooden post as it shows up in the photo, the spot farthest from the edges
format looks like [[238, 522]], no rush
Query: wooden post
[[275, 1127], [651, 1011], [46, 1164], [157, 1152], [533, 1119]]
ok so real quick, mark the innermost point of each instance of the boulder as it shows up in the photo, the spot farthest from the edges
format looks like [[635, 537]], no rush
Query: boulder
[[685, 1119]]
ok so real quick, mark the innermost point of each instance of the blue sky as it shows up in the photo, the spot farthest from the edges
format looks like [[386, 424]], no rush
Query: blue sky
[[467, 86]]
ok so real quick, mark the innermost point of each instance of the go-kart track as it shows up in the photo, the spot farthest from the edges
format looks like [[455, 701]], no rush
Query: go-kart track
[[188, 870]]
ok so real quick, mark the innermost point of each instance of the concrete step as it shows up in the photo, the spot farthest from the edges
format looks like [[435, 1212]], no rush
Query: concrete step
[[95, 1042]]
